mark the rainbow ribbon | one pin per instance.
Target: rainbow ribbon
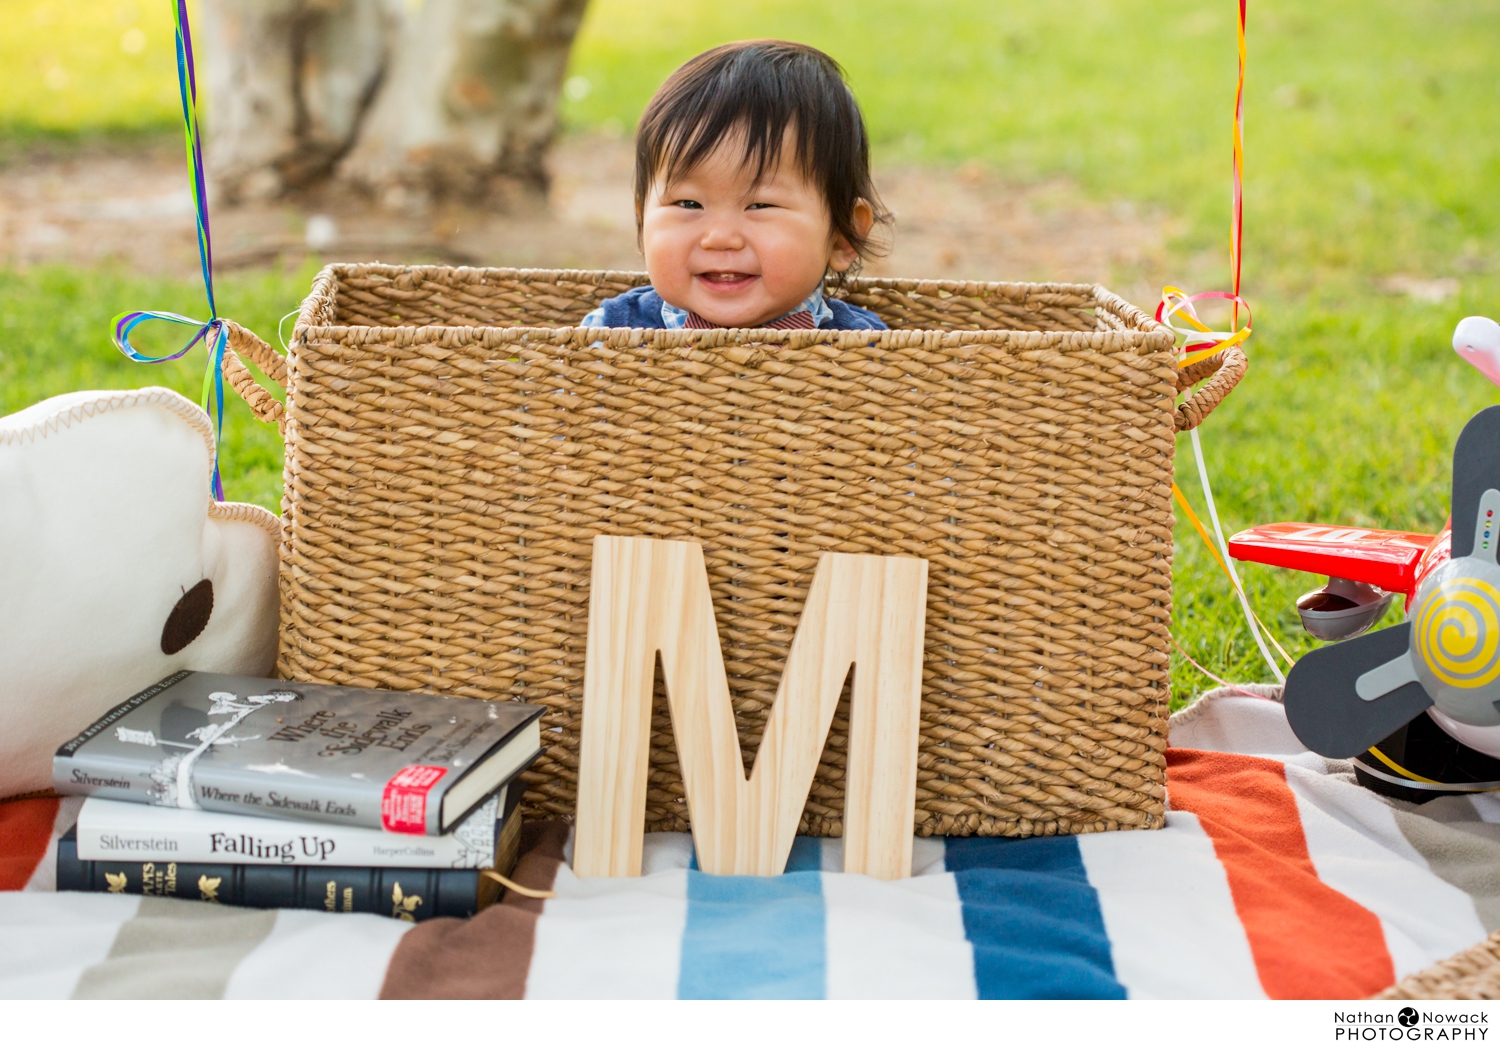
(211, 333)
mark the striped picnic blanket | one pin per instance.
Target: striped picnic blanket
(1275, 876)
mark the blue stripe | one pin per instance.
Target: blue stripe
(1032, 918)
(806, 855)
(754, 938)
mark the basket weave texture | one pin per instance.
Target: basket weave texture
(1473, 973)
(453, 447)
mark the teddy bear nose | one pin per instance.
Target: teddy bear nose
(188, 617)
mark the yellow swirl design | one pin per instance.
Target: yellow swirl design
(1458, 633)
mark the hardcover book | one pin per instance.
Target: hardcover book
(125, 831)
(412, 894)
(405, 762)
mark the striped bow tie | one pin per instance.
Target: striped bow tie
(800, 319)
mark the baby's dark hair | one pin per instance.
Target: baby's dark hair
(759, 88)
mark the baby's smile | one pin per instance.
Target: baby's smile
(728, 282)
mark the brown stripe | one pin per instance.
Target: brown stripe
(488, 956)
(1461, 849)
(176, 949)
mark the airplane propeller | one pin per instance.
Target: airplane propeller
(1345, 698)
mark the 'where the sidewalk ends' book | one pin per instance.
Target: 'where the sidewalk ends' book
(412, 894)
(406, 762)
(126, 831)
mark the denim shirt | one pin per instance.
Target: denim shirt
(643, 308)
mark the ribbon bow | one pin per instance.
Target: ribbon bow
(1177, 304)
(211, 333)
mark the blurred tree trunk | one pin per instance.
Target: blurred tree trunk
(289, 85)
(472, 94)
(409, 101)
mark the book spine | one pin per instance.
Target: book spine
(410, 894)
(112, 832)
(101, 775)
(290, 845)
(228, 789)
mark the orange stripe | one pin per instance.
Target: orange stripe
(1308, 940)
(25, 830)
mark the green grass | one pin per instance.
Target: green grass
(70, 67)
(1373, 148)
(1372, 126)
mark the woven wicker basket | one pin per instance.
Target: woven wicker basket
(1473, 973)
(452, 450)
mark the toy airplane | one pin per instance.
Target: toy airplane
(1414, 705)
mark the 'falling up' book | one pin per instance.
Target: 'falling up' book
(405, 762)
(412, 894)
(125, 831)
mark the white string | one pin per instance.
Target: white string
(1213, 515)
(280, 338)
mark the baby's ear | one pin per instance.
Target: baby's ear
(864, 217)
(843, 254)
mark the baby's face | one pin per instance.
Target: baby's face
(735, 253)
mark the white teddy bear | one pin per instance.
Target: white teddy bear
(116, 567)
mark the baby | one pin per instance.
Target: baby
(752, 185)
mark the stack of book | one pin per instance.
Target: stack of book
(276, 794)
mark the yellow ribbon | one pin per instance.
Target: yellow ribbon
(1203, 533)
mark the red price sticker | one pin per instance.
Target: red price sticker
(403, 806)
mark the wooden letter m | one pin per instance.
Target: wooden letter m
(650, 597)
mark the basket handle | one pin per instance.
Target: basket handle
(243, 341)
(1227, 368)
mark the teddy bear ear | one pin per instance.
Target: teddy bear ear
(188, 617)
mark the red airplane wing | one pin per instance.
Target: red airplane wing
(1375, 556)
